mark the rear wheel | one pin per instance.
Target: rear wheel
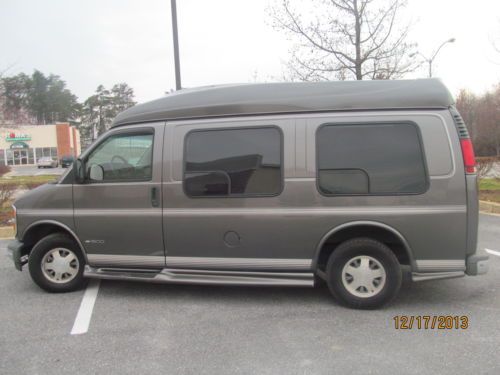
(363, 273)
(56, 264)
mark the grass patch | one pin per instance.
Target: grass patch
(28, 181)
(489, 184)
(489, 189)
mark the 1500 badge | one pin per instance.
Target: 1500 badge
(95, 242)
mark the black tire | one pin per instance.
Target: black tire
(45, 245)
(344, 253)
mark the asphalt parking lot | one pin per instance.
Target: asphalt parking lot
(173, 329)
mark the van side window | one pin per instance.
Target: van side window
(233, 162)
(370, 159)
(123, 157)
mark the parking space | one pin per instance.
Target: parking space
(145, 328)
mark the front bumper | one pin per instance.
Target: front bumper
(476, 265)
(15, 252)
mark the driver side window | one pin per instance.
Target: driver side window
(122, 158)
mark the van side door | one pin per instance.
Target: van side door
(117, 209)
(227, 205)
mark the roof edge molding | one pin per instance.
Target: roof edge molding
(290, 97)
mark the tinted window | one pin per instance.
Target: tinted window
(233, 162)
(370, 159)
(124, 157)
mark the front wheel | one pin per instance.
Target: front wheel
(363, 273)
(56, 264)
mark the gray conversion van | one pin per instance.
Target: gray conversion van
(355, 183)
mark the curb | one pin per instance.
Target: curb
(489, 207)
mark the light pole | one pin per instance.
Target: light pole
(431, 60)
(178, 85)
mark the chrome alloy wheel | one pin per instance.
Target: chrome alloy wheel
(60, 265)
(363, 276)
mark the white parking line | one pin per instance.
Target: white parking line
(82, 320)
(493, 252)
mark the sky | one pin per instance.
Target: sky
(93, 42)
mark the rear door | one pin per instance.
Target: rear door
(118, 215)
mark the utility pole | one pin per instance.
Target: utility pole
(178, 85)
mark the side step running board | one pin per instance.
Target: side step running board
(424, 276)
(186, 276)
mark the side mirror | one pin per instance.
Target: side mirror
(96, 172)
(79, 170)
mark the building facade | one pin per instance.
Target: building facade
(24, 145)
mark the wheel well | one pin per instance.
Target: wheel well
(386, 236)
(36, 233)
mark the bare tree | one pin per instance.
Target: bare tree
(481, 114)
(346, 39)
(488, 123)
(467, 104)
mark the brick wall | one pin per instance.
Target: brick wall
(63, 140)
(75, 143)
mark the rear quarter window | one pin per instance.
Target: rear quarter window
(371, 159)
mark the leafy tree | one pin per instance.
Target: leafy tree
(49, 100)
(13, 101)
(37, 99)
(41, 99)
(16, 90)
(123, 97)
(346, 39)
(100, 109)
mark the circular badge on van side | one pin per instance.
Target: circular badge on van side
(232, 239)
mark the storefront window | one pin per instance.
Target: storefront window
(46, 151)
(26, 155)
(31, 159)
(10, 159)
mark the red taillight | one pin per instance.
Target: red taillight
(468, 155)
